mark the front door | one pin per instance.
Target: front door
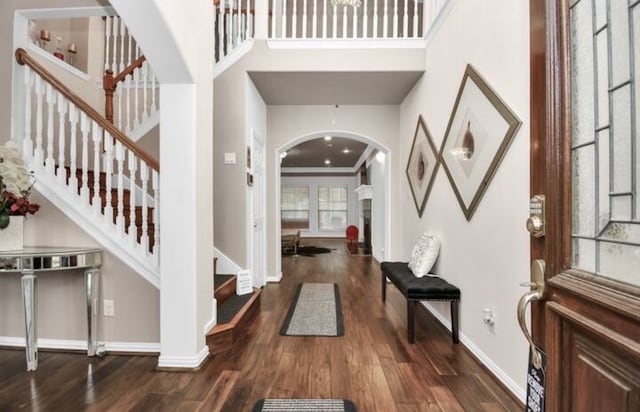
(585, 160)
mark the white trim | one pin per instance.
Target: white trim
(275, 279)
(346, 43)
(188, 362)
(81, 345)
(67, 12)
(509, 383)
(438, 21)
(363, 158)
(350, 170)
(225, 264)
(144, 127)
(214, 318)
(59, 63)
(235, 55)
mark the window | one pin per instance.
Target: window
(332, 208)
(294, 207)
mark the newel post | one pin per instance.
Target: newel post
(109, 86)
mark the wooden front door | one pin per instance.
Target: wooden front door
(585, 160)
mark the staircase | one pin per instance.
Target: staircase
(235, 313)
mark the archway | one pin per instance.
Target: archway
(387, 158)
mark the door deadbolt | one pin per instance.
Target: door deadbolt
(536, 221)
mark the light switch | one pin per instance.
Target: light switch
(230, 158)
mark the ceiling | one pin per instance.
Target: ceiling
(342, 152)
(324, 88)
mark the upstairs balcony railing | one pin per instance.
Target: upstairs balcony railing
(327, 19)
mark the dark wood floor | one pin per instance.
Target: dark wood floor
(372, 364)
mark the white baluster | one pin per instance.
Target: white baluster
(122, 56)
(119, 104)
(62, 111)
(154, 101)
(248, 21)
(73, 120)
(344, 22)
(294, 19)
(284, 19)
(127, 110)
(365, 19)
(273, 19)
(27, 141)
(107, 42)
(395, 19)
(221, 30)
(145, 84)
(314, 20)
(375, 19)
(335, 22)
(355, 23)
(129, 48)
(385, 20)
(415, 18)
(50, 162)
(96, 135)
(324, 19)
(405, 20)
(120, 188)
(155, 182)
(136, 99)
(84, 184)
(38, 153)
(144, 178)
(304, 18)
(133, 166)
(108, 170)
(238, 33)
(229, 21)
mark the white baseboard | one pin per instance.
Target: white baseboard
(509, 383)
(184, 362)
(214, 318)
(274, 279)
(81, 345)
(225, 264)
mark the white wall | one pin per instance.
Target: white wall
(313, 182)
(489, 256)
(376, 172)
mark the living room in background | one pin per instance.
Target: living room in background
(294, 207)
(332, 208)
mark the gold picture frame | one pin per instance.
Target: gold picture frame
(479, 132)
(422, 165)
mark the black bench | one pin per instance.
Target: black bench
(418, 289)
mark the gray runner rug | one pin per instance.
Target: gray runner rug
(315, 311)
(315, 405)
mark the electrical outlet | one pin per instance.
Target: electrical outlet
(109, 308)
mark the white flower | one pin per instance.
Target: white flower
(14, 175)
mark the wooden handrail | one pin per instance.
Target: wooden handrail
(22, 57)
(110, 83)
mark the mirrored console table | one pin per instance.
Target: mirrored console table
(33, 261)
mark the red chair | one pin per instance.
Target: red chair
(352, 234)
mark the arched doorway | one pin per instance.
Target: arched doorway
(384, 156)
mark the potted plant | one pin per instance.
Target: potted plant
(15, 188)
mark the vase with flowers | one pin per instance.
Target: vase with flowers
(15, 188)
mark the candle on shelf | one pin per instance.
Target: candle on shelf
(72, 48)
(58, 52)
(44, 35)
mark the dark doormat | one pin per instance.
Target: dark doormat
(309, 251)
(315, 405)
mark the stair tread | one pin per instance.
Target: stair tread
(249, 301)
(220, 280)
(232, 306)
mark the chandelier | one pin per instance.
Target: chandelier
(352, 3)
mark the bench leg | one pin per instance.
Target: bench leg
(384, 288)
(454, 321)
(411, 307)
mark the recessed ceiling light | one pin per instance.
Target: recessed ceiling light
(346, 150)
(327, 138)
(330, 145)
(283, 155)
(380, 157)
(327, 162)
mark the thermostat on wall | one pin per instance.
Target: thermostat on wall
(230, 158)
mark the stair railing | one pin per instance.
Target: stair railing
(234, 24)
(133, 90)
(93, 146)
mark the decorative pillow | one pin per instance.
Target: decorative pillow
(424, 255)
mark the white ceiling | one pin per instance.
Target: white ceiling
(324, 88)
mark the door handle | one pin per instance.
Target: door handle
(537, 292)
